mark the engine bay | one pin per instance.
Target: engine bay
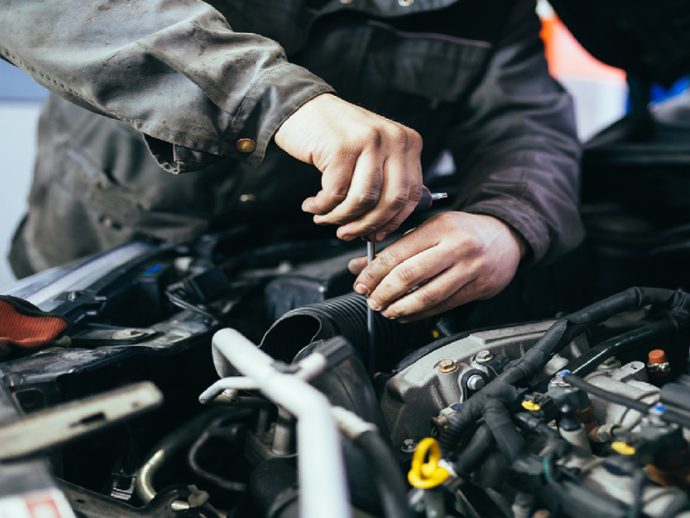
(197, 382)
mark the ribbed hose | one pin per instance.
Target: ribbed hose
(345, 316)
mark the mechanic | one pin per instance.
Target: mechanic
(240, 95)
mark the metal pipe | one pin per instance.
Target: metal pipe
(233, 383)
(321, 470)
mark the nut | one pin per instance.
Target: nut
(475, 382)
(484, 356)
(408, 446)
(446, 366)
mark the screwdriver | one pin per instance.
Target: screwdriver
(425, 203)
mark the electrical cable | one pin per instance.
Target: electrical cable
(172, 443)
(558, 336)
(590, 360)
(177, 300)
(639, 481)
(192, 459)
(479, 446)
(606, 395)
(388, 477)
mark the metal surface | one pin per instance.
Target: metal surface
(47, 428)
(416, 394)
(626, 380)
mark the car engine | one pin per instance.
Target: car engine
(195, 381)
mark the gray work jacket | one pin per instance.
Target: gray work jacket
(194, 78)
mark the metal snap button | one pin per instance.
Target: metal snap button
(245, 145)
(405, 3)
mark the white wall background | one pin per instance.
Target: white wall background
(18, 120)
(20, 101)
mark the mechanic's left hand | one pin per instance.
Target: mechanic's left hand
(451, 259)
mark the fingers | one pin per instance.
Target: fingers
(363, 194)
(407, 276)
(357, 265)
(396, 254)
(467, 293)
(371, 171)
(402, 190)
(452, 259)
(335, 186)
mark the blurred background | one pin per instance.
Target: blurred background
(600, 94)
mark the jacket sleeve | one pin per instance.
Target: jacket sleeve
(516, 148)
(172, 69)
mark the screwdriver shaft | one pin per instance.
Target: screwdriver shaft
(371, 253)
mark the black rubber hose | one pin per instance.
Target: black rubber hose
(639, 481)
(475, 452)
(601, 393)
(388, 476)
(560, 334)
(173, 442)
(531, 423)
(498, 420)
(341, 316)
(590, 360)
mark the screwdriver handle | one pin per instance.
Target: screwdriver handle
(428, 199)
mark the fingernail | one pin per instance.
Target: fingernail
(374, 305)
(389, 316)
(380, 236)
(361, 289)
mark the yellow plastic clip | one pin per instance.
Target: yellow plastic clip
(425, 472)
(530, 405)
(623, 448)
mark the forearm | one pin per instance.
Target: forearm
(172, 69)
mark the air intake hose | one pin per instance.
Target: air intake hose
(342, 316)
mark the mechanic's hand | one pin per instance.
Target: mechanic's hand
(451, 259)
(371, 170)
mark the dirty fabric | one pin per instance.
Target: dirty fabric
(174, 84)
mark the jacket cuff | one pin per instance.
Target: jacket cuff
(274, 97)
(523, 219)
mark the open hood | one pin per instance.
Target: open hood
(648, 39)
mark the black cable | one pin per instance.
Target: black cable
(178, 301)
(498, 420)
(388, 476)
(668, 415)
(601, 393)
(639, 481)
(479, 446)
(192, 459)
(590, 360)
(559, 335)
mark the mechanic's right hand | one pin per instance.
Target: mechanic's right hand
(371, 171)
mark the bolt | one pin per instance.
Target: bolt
(475, 382)
(408, 446)
(446, 366)
(484, 356)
